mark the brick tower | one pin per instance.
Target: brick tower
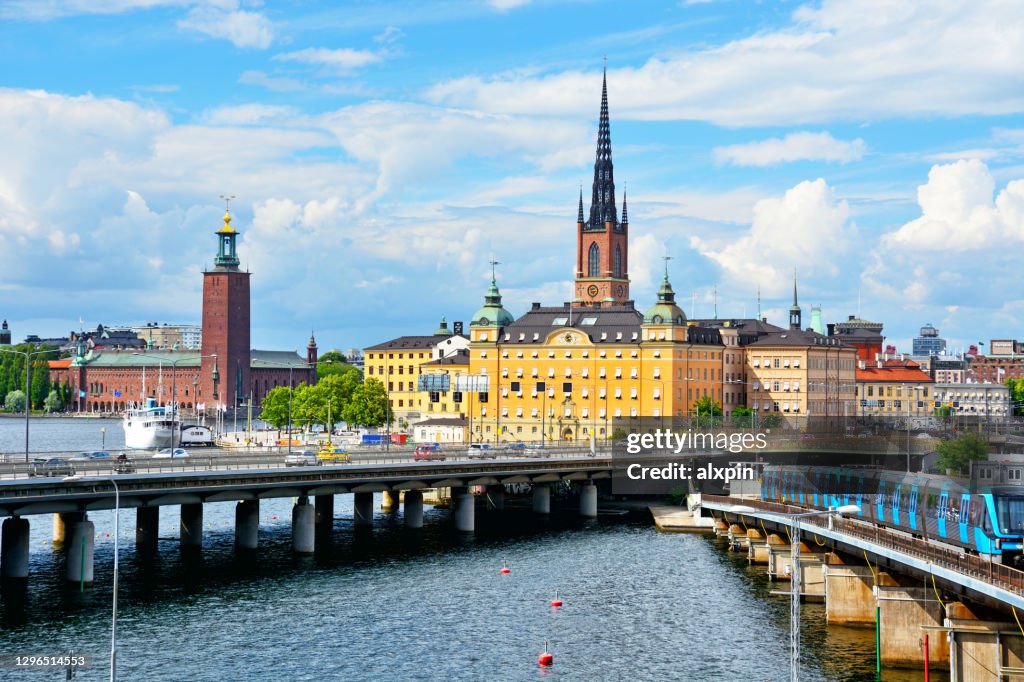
(602, 272)
(225, 379)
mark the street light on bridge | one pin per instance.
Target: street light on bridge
(28, 384)
(794, 614)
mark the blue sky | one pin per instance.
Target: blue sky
(383, 152)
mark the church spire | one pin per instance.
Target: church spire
(579, 216)
(795, 316)
(602, 199)
(625, 212)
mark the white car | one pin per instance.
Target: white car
(302, 458)
(167, 453)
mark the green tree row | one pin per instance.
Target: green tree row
(12, 377)
(336, 397)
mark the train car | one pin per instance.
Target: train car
(987, 522)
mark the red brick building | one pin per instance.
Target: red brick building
(108, 380)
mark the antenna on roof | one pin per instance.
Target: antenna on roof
(227, 201)
(716, 301)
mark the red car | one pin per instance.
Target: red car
(425, 453)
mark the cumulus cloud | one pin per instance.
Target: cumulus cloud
(801, 146)
(806, 229)
(777, 77)
(958, 211)
(224, 20)
(342, 59)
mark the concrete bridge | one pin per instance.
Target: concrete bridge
(907, 587)
(248, 479)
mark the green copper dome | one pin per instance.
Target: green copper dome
(665, 311)
(492, 314)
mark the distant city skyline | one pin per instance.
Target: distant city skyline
(383, 154)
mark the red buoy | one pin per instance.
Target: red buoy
(504, 568)
(545, 659)
(273, 518)
(556, 602)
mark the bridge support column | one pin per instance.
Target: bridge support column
(81, 543)
(324, 514)
(390, 501)
(363, 509)
(463, 510)
(976, 647)
(192, 525)
(147, 527)
(542, 498)
(247, 524)
(496, 497)
(902, 612)
(303, 526)
(14, 549)
(588, 500)
(413, 509)
(849, 595)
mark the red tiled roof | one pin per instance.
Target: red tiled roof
(903, 375)
(59, 364)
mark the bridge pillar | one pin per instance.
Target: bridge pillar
(363, 509)
(588, 500)
(496, 497)
(61, 522)
(247, 524)
(147, 526)
(849, 595)
(80, 551)
(192, 525)
(390, 501)
(542, 498)
(413, 508)
(14, 549)
(463, 510)
(324, 514)
(979, 648)
(303, 526)
(902, 612)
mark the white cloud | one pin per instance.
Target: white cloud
(274, 83)
(35, 10)
(980, 154)
(250, 114)
(806, 229)
(344, 58)
(223, 20)
(823, 66)
(506, 5)
(958, 212)
(801, 146)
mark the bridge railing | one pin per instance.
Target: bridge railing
(971, 565)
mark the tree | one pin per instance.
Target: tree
(1016, 387)
(770, 421)
(743, 416)
(52, 402)
(275, 407)
(958, 453)
(368, 406)
(40, 381)
(708, 411)
(309, 405)
(15, 401)
(334, 363)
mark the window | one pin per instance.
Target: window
(567, 387)
(618, 261)
(634, 373)
(602, 392)
(601, 373)
(775, 364)
(584, 392)
(594, 261)
(456, 396)
(551, 372)
(618, 372)
(585, 372)
(657, 372)
(632, 393)
(618, 393)
(559, 321)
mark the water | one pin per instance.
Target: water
(60, 434)
(431, 604)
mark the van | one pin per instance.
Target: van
(481, 451)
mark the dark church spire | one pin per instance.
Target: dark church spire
(602, 200)
(795, 316)
(625, 212)
(579, 217)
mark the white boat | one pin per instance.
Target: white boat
(150, 426)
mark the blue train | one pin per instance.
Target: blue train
(988, 522)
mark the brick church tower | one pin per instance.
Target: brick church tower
(602, 272)
(225, 379)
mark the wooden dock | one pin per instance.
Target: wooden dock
(670, 519)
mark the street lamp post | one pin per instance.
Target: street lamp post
(113, 615)
(794, 614)
(28, 384)
(103, 437)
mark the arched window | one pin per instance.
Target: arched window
(594, 268)
(618, 261)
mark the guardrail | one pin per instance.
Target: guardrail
(1006, 577)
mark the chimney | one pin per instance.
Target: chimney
(535, 306)
(831, 329)
(861, 364)
(852, 318)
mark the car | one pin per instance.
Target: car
(52, 466)
(167, 453)
(481, 451)
(334, 453)
(90, 456)
(425, 453)
(302, 458)
(515, 446)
